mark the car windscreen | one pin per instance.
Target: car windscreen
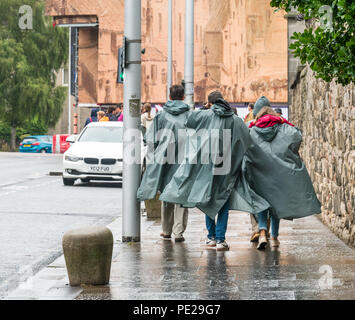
(46, 139)
(29, 140)
(102, 134)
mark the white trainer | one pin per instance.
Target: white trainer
(222, 246)
(210, 242)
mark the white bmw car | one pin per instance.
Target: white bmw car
(96, 154)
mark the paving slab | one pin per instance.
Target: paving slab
(311, 263)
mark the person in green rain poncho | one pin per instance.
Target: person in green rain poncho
(274, 170)
(217, 142)
(163, 142)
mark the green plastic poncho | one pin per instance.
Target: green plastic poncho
(217, 142)
(160, 138)
(274, 170)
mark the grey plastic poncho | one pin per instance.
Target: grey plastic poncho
(274, 170)
(160, 138)
(217, 142)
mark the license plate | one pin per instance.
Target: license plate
(26, 145)
(100, 169)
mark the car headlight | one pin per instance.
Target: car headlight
(72, 158)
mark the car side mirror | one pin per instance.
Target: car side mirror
(71, 139)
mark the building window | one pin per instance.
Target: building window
(180, 27)
(160, 23)
(240, 67)
(65, 77)
(164, 79)
(153, 73)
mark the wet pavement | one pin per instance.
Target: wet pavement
(311, 263)
(37, 209)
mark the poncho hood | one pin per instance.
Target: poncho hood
(268, 126)
(176, 107)
(260, 103)
(267, 134)
(222, 108)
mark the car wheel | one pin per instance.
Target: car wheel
(43, 151)
(68, 182)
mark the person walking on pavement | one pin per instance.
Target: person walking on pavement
(101, 116)
(93, 116)
(276, 142)
(208, 186)
(248, 119)
(120, 116)
(250, 116)
(164, 149)
(147, 118)
(118, 111)
(279, 112)
(216, 236)
(111, 113)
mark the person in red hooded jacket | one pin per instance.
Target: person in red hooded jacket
(267, 117)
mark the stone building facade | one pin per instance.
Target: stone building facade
(325, 112)
(240, 48)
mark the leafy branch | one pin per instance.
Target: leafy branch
(328, 44)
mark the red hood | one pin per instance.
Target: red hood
(269, 121)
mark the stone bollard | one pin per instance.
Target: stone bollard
(88, 254)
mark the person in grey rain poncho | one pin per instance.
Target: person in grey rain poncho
(273, 170)
(266, 175)
(163, 140)
(217, 142)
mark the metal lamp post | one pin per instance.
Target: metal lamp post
(170, 47)
(189, 53)
(131, 122)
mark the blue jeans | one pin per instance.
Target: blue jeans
(218, 231)
(275, 223)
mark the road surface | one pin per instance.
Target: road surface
(37, 209)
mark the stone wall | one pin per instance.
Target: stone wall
(325, 112)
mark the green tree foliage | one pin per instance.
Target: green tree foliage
(33, 127)
(29, 60)
(328, 46)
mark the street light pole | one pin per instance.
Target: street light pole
(131, 122)
(189, 53)
(170, 48)
(69, 84)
